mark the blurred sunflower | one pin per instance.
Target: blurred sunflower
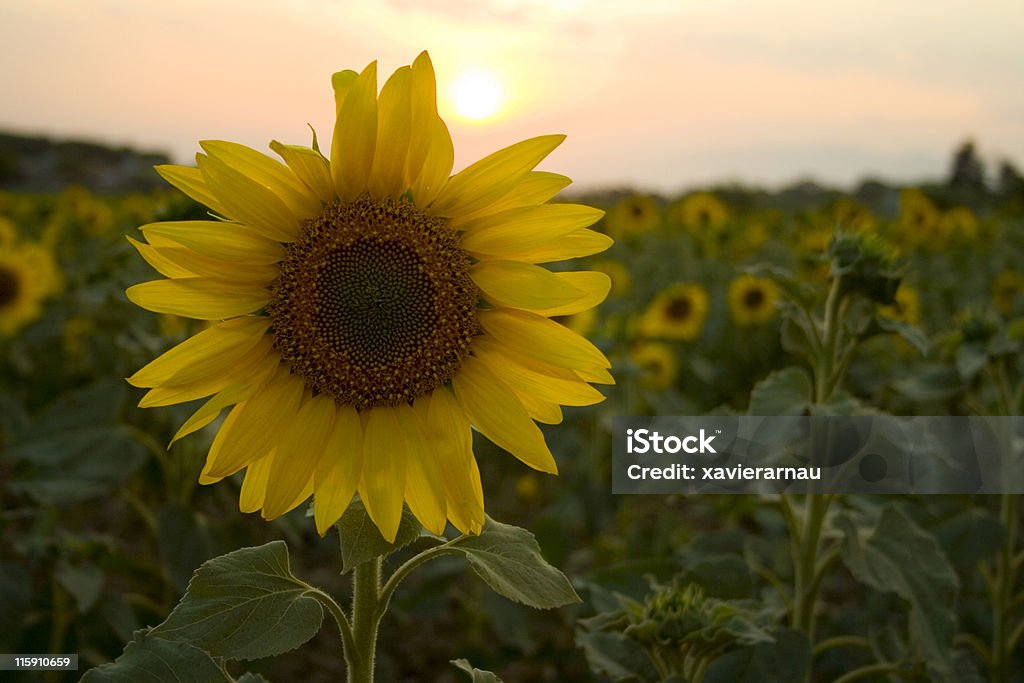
(28, 274)
(676, 313)
(906, 308)
(918, 221)
(752, 300)
(701, 213)
(959, 223)
(846, 214)
(374, 310)
(582, 323)
(657, 362)
(633, 215)
(1006, 288)
(619, 274)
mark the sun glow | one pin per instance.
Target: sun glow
(477, 94)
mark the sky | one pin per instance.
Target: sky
(659, 95)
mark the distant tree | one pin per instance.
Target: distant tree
(967, 171)
(1010, 181)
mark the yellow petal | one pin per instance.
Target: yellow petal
(256, 430)
(447, 431)
(190, 181)
(310, 167)
(423, 110)
(543, 339)
(160, 262)
(536, 188)
(496, 412)
(526, 228)
(526, 381)
(211, 384)
(234, 393)
(254, 486)
(341, 81)
(298, 452)
(267, 172)
(384, 463)
(595, 284)
(437, 167)
(574, 245)
(521, 285)
(208, 352)
(217, 239)
(199, 298)
(339, 470)
(176, 261)
(424, 488)
(394, 125)
(486, 181)
(248, 201)
(355, 136)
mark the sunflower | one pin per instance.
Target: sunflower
(752, 300)
(676, 313)
(28, 275)
(658, 364)
(633, 215)
(622, 281)
(701, 214)
(906, 308)
(373, 310)
(919, 221)
(959, 223)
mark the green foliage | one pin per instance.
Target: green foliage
(361, 541)
(476, 675)
(245, 605)
(897, 556)
(508, 559)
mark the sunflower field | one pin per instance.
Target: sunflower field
(161, 558)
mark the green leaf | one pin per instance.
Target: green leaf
(84, 582)
(912, 335)
(783, 392)
(361, 541)
(786, 660)
(156, 660)
(970, 359)
(897, 556)
(930, 383)
(617, 657)
(245, 605)
(478, 675)
(64, 467)
(249, 677)
(508, 559)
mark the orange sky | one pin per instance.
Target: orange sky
(659, 94)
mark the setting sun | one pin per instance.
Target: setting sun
(477, 94)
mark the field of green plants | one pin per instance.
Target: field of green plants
(906, 301)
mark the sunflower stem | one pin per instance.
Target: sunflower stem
(365, 621)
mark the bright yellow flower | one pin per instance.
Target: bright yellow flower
(658, 363)
(752, 300)
(375, 309)
(633, 215)
(676, 313)
(906, 308)
(28, 274)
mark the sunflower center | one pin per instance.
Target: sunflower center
(679, 308)
(10, 286)
(753, 298)
(374, 305)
